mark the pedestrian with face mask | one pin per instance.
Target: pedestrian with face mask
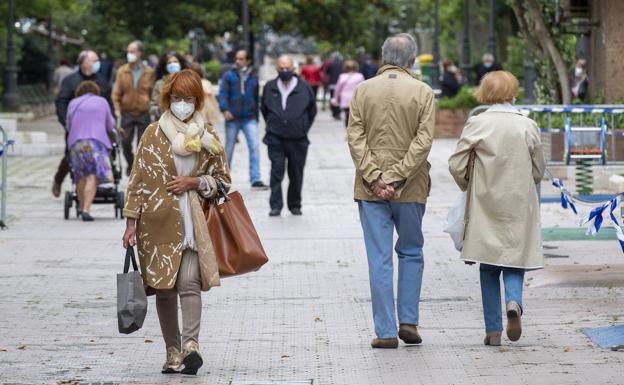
(131, 98)
(168, 63)
(579, 80)
(180, 161)
(288, 107)
(488, 64)
(88, 69)
(450, 84)
(239, 100)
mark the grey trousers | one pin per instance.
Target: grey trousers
(188, 287)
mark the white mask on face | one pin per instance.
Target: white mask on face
(452, 69)
(578, 72)
(131, 57)
(182, 110)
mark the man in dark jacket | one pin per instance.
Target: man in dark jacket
(288, 108)
(488, 64)
(333, 71)
(89, 66)
(239, 100)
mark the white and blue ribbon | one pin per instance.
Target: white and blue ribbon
(566, 197)
(7, 144)
(594, 219)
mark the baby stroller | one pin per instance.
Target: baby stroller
(107, 193)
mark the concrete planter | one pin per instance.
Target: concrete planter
(449, 123)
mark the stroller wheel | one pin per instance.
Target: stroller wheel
(119, 205)
(68, 204)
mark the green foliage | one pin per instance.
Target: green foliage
(464, 100)
(212, 70)
(516, 56)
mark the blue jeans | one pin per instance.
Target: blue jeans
(378, 222)
(250, 129)
(491, 295)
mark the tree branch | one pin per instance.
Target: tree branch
(518, 10)
(555, 56)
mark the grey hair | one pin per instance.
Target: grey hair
(399, 50)
(82, 56)
(138, 43)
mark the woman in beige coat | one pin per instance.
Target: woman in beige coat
(502, 221)
(179, 164)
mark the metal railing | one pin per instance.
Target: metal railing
(4, 144)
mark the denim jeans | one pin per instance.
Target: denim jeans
(250, 130)
(378, 222)
(491, 295)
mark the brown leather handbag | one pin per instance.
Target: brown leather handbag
(234, 237)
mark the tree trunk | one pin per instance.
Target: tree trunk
(549, 46)
(534, 47)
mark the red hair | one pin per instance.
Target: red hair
(185, 83)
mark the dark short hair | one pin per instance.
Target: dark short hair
(87, 87)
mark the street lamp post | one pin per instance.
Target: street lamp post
(491, 30)
(245, 22)
(10, 98)
(466, 68)
(435, 71)
(51, 61)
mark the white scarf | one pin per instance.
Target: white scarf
(187, 138)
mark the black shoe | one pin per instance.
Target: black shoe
(86, 217)
(275, 213)
(259, 185)
(296, 211)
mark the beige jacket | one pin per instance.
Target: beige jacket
(126, 97)
(503, 210)
(159, 228)
(210, 109)
(390, 133)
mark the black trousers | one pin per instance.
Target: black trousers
(64, 167)
(287, 155)
(334, 109)
(132, 123)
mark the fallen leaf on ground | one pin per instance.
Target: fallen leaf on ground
(285, 356)
(148, 341)
(568, 349)
(317, 319)
(21, 347)
(3, 350)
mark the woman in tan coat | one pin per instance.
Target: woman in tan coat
(502, 230)
(179, 164)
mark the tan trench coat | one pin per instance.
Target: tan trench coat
(503, 210)
(159, 227)
(390, 132)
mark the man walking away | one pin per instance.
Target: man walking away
(390, 132)
(288, 108)
(131, 98)
(88, 67)
(239, 101)
(333, 73)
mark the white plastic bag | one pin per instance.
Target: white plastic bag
(455, 221)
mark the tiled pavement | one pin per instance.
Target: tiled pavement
(305, 316)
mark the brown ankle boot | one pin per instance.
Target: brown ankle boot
(514, 324)
(409, 334)
(385, 343)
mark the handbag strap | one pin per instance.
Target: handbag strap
(221, 189)
(469, 175)
(130, 257)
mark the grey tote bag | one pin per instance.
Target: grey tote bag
(131, 298)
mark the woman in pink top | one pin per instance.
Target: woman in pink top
(347, 83)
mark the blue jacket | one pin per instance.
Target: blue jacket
(241, 105)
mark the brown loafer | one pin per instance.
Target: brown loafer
(514, 324)
(409, 334)
(493, 339)
(385, 343)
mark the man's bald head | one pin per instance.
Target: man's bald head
(285, 63)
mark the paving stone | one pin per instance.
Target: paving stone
(305, 315)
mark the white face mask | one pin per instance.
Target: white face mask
(578, 72)
(182, 110)
(131, 57)
(452, 69)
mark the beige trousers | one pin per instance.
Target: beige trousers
(188, 287)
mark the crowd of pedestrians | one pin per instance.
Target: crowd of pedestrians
(171, 110)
